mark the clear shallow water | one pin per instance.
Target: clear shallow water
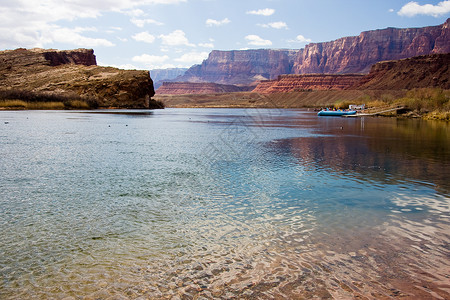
(222, 203)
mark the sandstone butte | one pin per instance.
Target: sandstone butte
(347, 55)
(74, 72)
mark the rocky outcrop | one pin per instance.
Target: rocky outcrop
(417, 72)
(242, 67)
(356, 54)
(47, 57)
(180, 88)
(74, 72)
(299, 83)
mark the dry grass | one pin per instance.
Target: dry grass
(45, 105)
(23, 99)
(11, 104)
(20, 104)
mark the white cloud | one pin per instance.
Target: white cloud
(142, 22)
(191, 58)
(257, 41)
(391, 10)
(151, 61)
(412, 9)
(262, 12)
(300, 39)
(206, 45)
(115, 28)
(175, 38)
(212, 22)
(26, 23)
(135, 12)
(275, 25)
(72, 36)
(144, 37)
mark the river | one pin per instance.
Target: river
(222, 203)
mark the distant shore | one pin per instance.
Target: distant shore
(428, 103)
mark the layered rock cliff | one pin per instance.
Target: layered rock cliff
(298, 83)
(348, 55)
(74, 72)
(180, 88)
(241, 66)
(416, 72)
(356, 54)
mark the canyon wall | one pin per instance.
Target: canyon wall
(299, 83)
(180, 88)
(242, 67)
(416, 72)
(356, 54)
(75, 72)
(348, 55)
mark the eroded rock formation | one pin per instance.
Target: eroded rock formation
(298, 83)
(356, 54)
(416, 72)
(74, 72)
(348, 55)
(180, 88)
(241, 66)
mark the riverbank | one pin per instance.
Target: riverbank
(419, 103)
(17, 99)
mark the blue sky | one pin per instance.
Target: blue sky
(149, 34)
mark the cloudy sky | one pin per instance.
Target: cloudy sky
(149, 34)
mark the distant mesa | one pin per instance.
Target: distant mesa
(73, 73)
(241, 67)
(347, 55)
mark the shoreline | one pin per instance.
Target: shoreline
(428, 103)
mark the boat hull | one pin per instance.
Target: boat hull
(336, 113)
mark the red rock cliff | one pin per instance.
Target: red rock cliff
(348, 55)
(356, 54)
(292, 83)
(416, 72)
(37, 56)
(79, 57)
(180, 88)
(241, 66)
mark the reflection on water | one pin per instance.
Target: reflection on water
(221, 203)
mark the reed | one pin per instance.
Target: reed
(23, 99)
(45, 105)
(13, 104)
